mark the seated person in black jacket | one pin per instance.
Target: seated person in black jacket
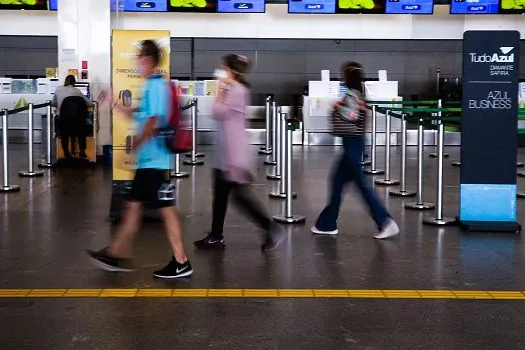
(72, 108)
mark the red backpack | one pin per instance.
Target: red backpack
(178, 133)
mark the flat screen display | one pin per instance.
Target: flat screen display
(139, 6)
(423, 7)
(360, 6)
(474, 7)
(206, 6)
(53, 5)
(512, 6)
(234, 6)
(311, 6)
(23, 4)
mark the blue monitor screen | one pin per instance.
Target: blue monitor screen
(311, 6)
(467, 7)
(53, 5)
(140, 6)
(234, 6)
(425, 7)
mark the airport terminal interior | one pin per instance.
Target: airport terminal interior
(444, 130)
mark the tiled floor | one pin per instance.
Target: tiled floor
(45, 227)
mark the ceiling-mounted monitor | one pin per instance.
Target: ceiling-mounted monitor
(139, 6)
(205, 6)
(512, 6)
(23, 5)
(421, 7)
(237, 6)
(311, 6)
(361, 6)
(474, 7)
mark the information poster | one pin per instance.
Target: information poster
(489, 130)
(127, 85)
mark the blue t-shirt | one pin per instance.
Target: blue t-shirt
(153, 154)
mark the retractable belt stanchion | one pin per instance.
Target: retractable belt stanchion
(6, 187)
(402, 191)
(267, 149)
(289, 217)
(435, 154)
(176, 173)
(373, 148)
(47, 162)
(194, 124)
(281, 192)
(31, 166)
(419, 204)
(387, 181)
(275, 134)
(439, 220)
(277, 148)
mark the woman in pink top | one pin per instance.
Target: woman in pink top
(233, 162)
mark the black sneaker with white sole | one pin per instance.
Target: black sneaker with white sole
(210, 242)
(105, 261)
(174, 269)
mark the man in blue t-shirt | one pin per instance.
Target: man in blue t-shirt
(151, 184)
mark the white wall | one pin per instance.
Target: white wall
(277, 23)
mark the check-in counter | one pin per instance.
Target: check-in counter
(317, 123)
(207, 126)
(18, 123)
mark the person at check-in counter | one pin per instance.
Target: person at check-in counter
(348, 122)
(71, 126)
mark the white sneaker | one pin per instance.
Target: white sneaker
(316, 231)
(390, 230)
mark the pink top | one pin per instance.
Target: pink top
(233, 154)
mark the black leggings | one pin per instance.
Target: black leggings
(244, 199)
(69, 130)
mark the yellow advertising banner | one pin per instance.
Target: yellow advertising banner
(127, 86)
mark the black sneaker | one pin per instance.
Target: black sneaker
(174, 270)
(107, 262)
(274, 238)
(210, 242)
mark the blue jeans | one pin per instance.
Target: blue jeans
(347, 170)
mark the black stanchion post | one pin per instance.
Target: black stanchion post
(31, 167)
(419, 204)
(275, 135)
(289, 217)
(176, 173)
(373, 148)
(402, 191)
(267, 149)
(194, 123)
(439, 219)
(277, 148)
(47, 162)
(281, 192)
(6, 187)
(387, 181)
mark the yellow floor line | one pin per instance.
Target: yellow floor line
(263, 293)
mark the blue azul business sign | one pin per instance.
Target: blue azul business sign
(489, 130)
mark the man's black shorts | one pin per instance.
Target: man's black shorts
(152, 188)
